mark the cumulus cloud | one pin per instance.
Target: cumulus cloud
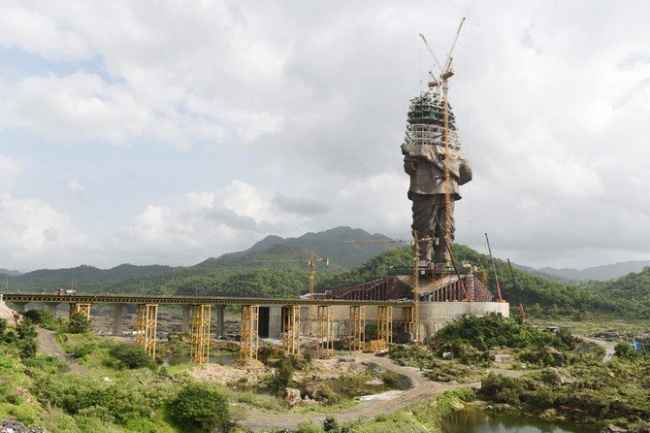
(302, 108)
(9, 169)
(35, 233)
(75, 190)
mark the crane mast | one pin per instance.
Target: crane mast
(447, 73)
(442, 83)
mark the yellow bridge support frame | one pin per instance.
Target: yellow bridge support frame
(200, 333)
(385, 324)
(291, 329)
(409, 318)
(357, 327)
(81, 308)
(325, 330)
(248, 329)
(145, 334)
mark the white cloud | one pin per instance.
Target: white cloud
(9, 169)
(75, 190)
(35, 233)
(300, 108)
(34, 30)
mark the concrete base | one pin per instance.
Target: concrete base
(433, 316)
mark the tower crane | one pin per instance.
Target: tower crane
(446, 72)
(311, 262)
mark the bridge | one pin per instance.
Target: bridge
(255, 311)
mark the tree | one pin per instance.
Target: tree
(202, 408)
(624, 350)
(283, 374)
(131, 356)
(27, 335)
(26, 330)
(78, 324)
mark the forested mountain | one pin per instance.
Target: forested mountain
(10, 273)
(263, 270)
(540, 296)
(202, 277)
(601, 273)
(332, 244)
(51, 279)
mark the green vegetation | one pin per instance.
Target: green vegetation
(202, 408)
(124, 391)
(130, 356)
(245, 274)
(42, 390)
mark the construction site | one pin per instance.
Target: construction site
(413, 304)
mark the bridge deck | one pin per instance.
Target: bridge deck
(187, 300)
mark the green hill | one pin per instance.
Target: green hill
(246, 273)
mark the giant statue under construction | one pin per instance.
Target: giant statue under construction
(437, 166)
(440, 288)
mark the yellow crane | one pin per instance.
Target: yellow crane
(446, 72)
(311, 262)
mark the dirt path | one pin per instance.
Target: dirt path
(421, 388)
(608, 345)
(48, 346)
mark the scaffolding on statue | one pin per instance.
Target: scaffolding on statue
(248, 329)
(291, 329)
(325, 330)
(80, 308)
(200, 334)
(145, 334)
(357, 327)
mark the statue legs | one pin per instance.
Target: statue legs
(429, 222)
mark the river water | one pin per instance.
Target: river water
(477, 421)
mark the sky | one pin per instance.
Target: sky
(167, 132)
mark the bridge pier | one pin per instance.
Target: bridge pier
(52, 307)
(118, 314)
(19, 307)
(219, 319)
(80, 308)
(248, 330)
(145, 334)
(325, 330)
(357, 327)
(200, 334)
(291, 329)
(185, 321)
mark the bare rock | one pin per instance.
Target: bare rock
(292, 396)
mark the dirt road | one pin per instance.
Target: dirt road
(420, 389)
(48, 346)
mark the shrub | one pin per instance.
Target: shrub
(308, 427)
(131, 356)
(202, 408)
(624, 350)
(48, 364)
(28, 349)
(283, 375)
(26, 330)
(41, 317)
(330, 425)
(78, 324)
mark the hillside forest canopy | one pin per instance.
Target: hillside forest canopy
(249, 275)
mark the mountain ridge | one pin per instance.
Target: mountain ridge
(330, 243)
